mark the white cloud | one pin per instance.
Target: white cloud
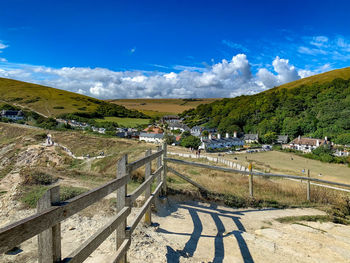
(3, 60)
(227, 78)
(233, 45)
(3, 46)
(133, 50)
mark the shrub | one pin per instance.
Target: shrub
(37, 177)
(68, 192)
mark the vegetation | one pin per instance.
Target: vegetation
(315, 109)
(52, 102)
(190, 142)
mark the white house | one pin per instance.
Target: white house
(151, 137)
(197, 130)
(307, 144)
(178, 126)
(251, 138)
(216, 143)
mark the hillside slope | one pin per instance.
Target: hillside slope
(317, 106)
(52, 102)
(343, 73)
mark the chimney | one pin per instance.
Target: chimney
(201, 138)
(318, 143)
(227, 135)
(219, 136)
(326, 139)
(299, 137)
(209, 136)
(235, 134)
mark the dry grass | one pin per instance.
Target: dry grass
(289, 163)
(234, 189)
(161, 107)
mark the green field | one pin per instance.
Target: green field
(126, 122)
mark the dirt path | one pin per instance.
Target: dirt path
(202, 232)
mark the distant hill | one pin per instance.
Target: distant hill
(53, 102)
(317, 106)
(161, 107)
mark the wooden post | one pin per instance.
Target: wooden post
(308, 186)
(250, 167)
(164, 168)
(121, 193)
(158, 180)
(148, 190)
(49, 241)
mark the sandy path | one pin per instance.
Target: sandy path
(202, 232)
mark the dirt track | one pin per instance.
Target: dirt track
(201, 232)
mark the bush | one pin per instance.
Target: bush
(31, 196)
(68, 192)
(36, 177)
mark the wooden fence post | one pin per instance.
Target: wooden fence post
(158, 180)
(164, 168)
(49, 241)
(250, 167)
(308, 186)
(148, 190)
(121, 193)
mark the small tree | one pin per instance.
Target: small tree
(205, 133)
(191, 142)
(269, 137)
(169, 139)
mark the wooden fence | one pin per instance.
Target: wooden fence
(51, 212)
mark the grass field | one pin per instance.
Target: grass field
(126, 122)
(161, 107)
(289, 163)
(343, 73)
(45, 100)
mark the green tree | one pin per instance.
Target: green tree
(191, 142)
(269, 137)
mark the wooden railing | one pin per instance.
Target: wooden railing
(51, 212)
(251, 174)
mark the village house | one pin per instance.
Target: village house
(151, 137)
(12, 114)
(219, 143)
(178, 126)
(171, 119)
(197, 130)
(251, 138)
(342, 153)
(306, 145)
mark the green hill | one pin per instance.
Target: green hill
(317, 106)
(343, 73)
(52, 102)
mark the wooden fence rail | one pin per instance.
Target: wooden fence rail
(51, 212)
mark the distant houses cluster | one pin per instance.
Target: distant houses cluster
(14, 115)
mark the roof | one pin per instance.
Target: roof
(251, 136)
(151, 135)
(12, 113)
(171, 117)
(223, 140)
(153, 130)
(308, 141)
(179, 125)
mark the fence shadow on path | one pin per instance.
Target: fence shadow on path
(189, 249)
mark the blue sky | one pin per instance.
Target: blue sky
(132, 49)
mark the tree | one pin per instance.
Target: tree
(191, 142)
(205, 133)
(169, 139)
(269, 137)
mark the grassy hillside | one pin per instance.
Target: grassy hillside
(161, 107)
(317, 106)
(343, 73)
(45, 100)
(52, 102)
